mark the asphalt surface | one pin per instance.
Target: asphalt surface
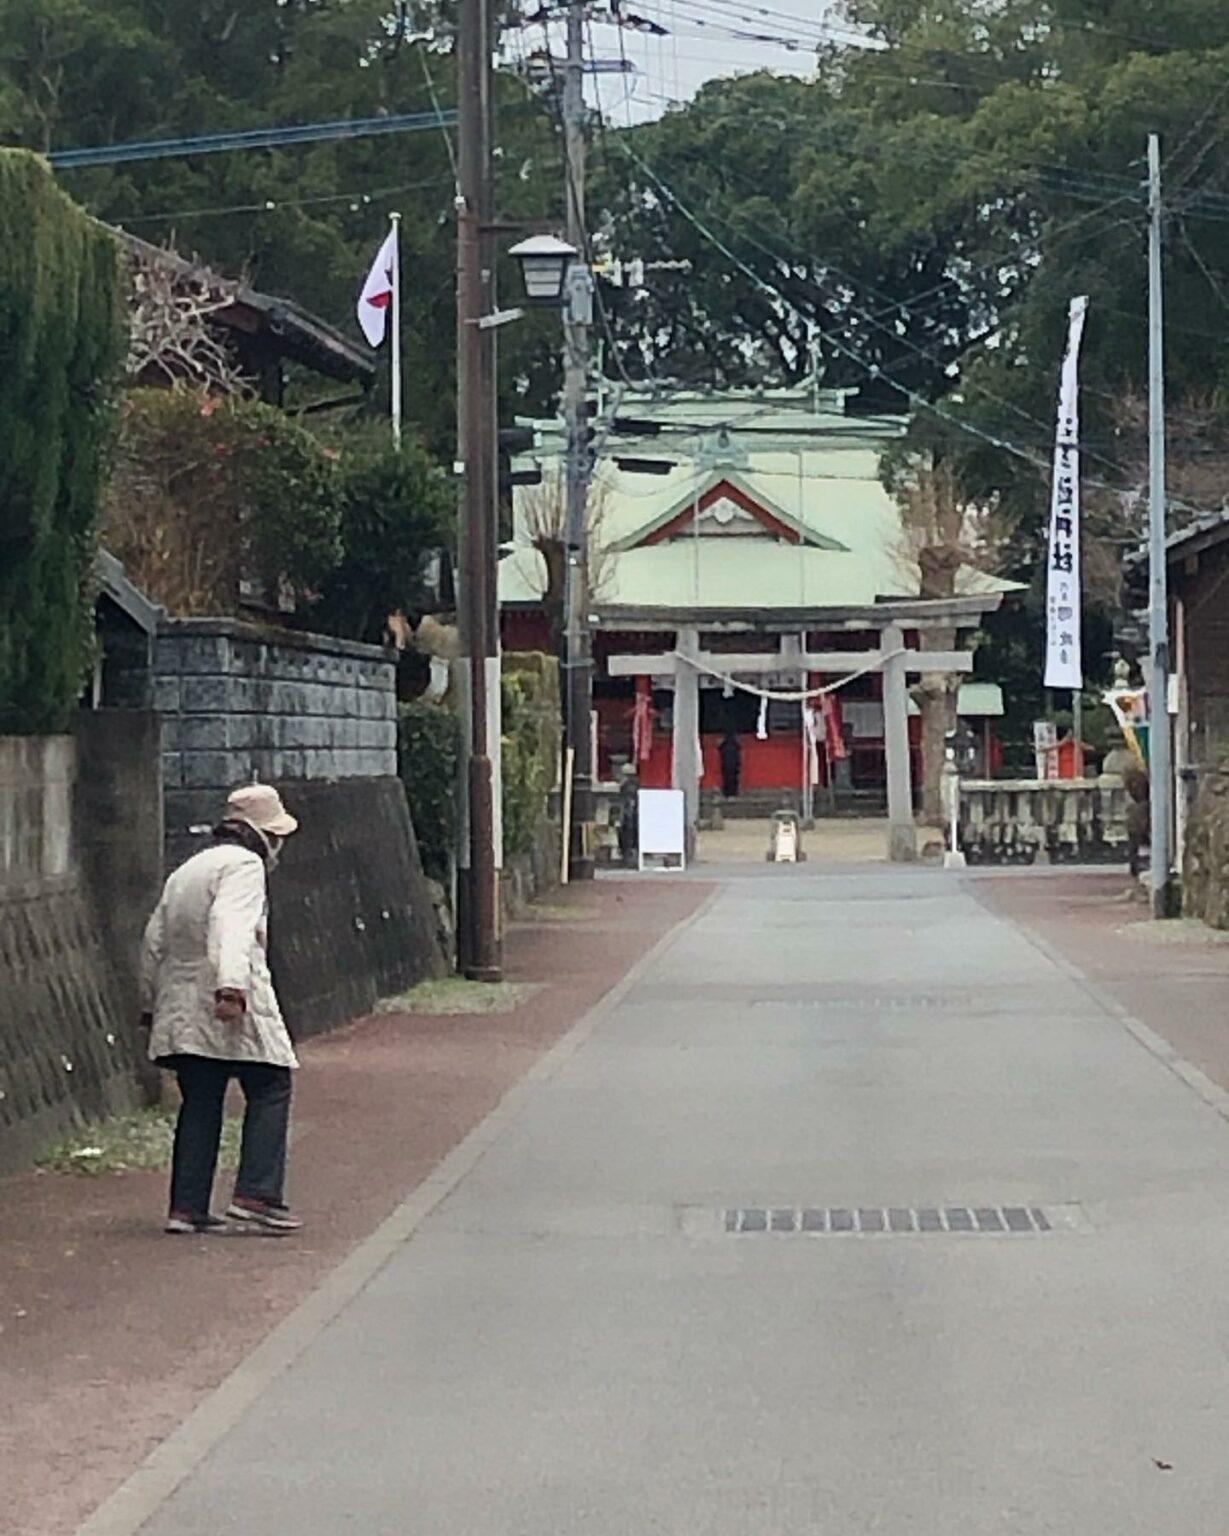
(570, 1339)
(112, 1334)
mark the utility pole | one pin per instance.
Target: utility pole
(1160, 776)
(577, 318)
(478, 892)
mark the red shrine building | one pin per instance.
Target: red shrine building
(757, 523)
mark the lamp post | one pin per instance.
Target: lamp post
(556, 276)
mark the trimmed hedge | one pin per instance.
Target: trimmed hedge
(63, 340)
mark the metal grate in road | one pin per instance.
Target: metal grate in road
(886, 1220)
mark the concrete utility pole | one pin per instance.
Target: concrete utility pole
(577, 318)
(478, 936)
(1160, 774)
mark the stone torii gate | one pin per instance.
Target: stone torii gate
(891, 658)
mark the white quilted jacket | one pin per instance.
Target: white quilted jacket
(209, 931)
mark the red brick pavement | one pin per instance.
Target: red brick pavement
(1173, 977)
(111, 1333)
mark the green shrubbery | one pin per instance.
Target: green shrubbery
(530, 744)
(62, 340)
(210, 491)
(430, 757)
(397, 510)
(430, 761)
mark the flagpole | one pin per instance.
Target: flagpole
(395, 220)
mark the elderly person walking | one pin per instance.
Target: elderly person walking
(212, 1014)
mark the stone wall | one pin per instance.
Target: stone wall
(351, 917)
(1205, 874)
(67, 1042)
(117, 813)
(528, 876)
(240, 703)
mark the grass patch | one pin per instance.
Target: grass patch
(458, 995)
(557, 913)
(1179, 931)
(140, 1141)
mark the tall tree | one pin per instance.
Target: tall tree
(303, 222)
(920, 215)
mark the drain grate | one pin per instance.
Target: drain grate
(887, 1220)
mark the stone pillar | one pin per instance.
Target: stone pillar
(685, 764)
(902, 837)
(792, 649)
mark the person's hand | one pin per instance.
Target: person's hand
(229, 1005)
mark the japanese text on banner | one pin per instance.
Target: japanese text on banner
(1064, 662)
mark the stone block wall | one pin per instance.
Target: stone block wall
(1205, 873)
(118, 821)
(67, 1046)
(240, 703)
(351, 915)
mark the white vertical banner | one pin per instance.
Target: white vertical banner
(1064, 662)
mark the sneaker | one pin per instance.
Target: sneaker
(273, 1217)
(178, 1225)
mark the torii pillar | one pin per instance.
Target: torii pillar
(902, 833)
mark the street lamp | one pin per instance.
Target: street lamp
(544, 260)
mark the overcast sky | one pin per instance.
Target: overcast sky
(704, 39)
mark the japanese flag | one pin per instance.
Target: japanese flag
(376, 299)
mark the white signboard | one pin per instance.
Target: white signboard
(662, 825)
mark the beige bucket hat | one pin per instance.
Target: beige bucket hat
(261, 807)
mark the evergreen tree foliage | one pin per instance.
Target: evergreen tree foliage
(396, 512)
(62, 341)
(302, 222)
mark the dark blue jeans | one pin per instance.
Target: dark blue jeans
(198, 1131)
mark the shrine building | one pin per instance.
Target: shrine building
(752, 532)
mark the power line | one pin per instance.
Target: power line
(1054, 24)
(928, 298)
(925, 352)
(251, 138)
(1051, 234)
(820, 30)
(917, 400)
(435, 104)
(273, 205)
(778, 297)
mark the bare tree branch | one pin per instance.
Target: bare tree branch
(544, 520)
(172, 340)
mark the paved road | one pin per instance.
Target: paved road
(571, 1342)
